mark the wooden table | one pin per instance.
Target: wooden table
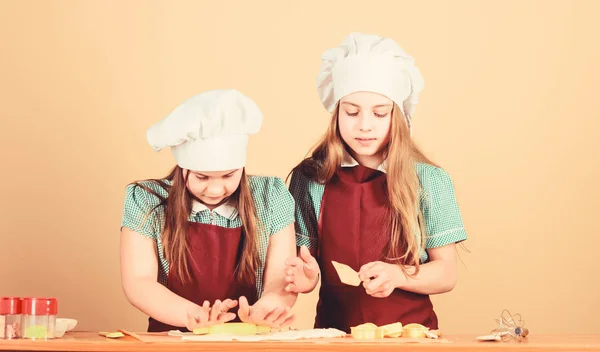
(91, 341)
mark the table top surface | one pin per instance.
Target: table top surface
(92, 341)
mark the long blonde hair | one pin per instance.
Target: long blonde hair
(403, 186)
(177, 207)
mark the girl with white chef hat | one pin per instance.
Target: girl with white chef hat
(208, 240)
(369, 198)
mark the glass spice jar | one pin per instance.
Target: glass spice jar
(39, 318)
(10, 318)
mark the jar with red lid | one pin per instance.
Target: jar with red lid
(39, 318)
(10, 318)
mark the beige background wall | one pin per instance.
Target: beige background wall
(510, 109)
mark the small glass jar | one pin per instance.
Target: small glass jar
(10, 318)
(39, 318)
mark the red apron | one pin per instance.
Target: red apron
(213, 258)
(353, 231)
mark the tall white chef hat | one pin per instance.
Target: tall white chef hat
(366, 62)
(209, 131)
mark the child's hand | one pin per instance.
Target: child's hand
(206, 315)
(302, 273)
(380, 279)
(267, 311)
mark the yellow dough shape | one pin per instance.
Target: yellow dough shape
(367, 331)
(392, 330)
(232, 329)
(371, 331)
(346, 274)
(414, 330)
(111, 335)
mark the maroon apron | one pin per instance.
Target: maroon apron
(214, 255)
(353, 225)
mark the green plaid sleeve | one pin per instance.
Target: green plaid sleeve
(274, 203)
(281, 206)
(306, 225)
(443, 221)
(137, 211)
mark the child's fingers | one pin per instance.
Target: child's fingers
(370, 271)
(288, 321)
(291, 271)
(375, 285)
(282, 317)
(244, 310)
(290, 288)
(367, 266)
(196, 319)
(228, 304)
(383, 290)
(215, 310)
(273, 315)
(225, 317)
(204, 313)
(291, 274)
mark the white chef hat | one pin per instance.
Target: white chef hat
(209, 131)
(366, 62)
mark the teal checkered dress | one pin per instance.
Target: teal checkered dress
(442, 218)
(274, 206)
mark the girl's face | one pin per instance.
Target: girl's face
(212, 188)
(364, 124)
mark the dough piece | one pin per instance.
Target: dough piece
(347, 275)
(111, 335)
(367, 331)
(232, 329)
(392, 330)
(433, 334)
(414, 331)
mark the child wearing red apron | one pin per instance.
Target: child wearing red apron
(369, 198)
(208, 241)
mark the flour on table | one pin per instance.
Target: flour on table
(273, 336)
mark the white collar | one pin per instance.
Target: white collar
(226, 210)
(349, 161)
